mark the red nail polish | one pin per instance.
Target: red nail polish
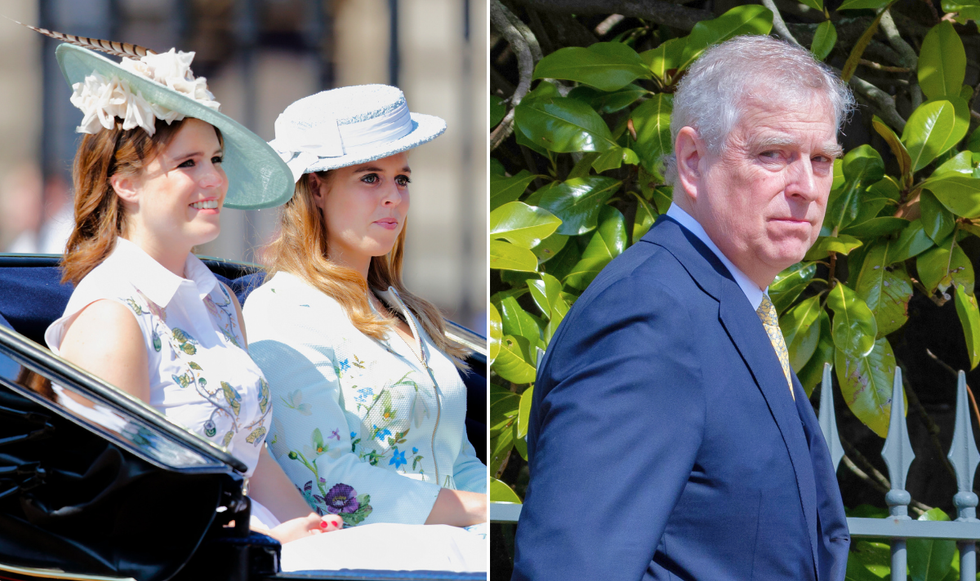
(324, 524)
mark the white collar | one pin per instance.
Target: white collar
(153, 279)
(751, 290)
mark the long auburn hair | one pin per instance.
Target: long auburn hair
(99, 214)
(301, 250)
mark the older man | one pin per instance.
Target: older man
(669, 439)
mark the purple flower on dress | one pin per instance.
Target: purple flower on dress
(342, 498)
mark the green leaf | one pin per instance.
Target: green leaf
(959, 164)
(868, 561)
(897, 147)
(545, 291)
(966, 310)
(524, 412)
(563, 125)
(911, 242)
(862, 4)
(824, 245)
(740, 20)
(861, 167)
(607, 66)
(522, 225)
(504, 189)
(562, 263)
(549, 247)
(866, 384)
(812, 372)
(799, 331)
(815, 4)
(854, 328)
(875, 227)
(664, 60)
(885, 287)
(957, 192)
(931, 130)
(511, 363)
(973, 143)
(824, 40)
(942, 62)
(506, 256)
(614, 159)
(965, 10)
(577, 202)
(788, 284)
(937, 221)
(518, 322)
(607, 243)
(500, 492)
(504, 405)
(943, 266)
(646, 215)
(497, 110)
(495, 328)
(930, 559)
(610, 102)
(651, 120)
(862, 43)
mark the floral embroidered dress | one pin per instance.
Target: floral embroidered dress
(366, 429)
(200, 377)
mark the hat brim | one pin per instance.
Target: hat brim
(425, 128)
(257, 176)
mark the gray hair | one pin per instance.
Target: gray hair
(711, 96)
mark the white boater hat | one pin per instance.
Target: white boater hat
(347, 126)
(161, 86)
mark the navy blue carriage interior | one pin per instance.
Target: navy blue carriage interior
(146, 502)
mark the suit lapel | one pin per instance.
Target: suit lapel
(750, 339)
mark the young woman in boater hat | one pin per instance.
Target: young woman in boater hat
(155, 168)
(370, 406)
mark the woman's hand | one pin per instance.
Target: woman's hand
(304, 526)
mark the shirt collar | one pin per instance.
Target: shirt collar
(153, 279)
(751, 290)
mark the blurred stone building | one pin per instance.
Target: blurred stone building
(259, 56)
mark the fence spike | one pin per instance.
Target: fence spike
(897, 451)
(828, 417)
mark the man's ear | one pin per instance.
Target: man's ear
(125, 187)
(689, 149)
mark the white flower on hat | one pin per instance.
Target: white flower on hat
(102, 99)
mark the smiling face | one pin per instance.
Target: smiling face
(174, 204)
(762, 198)
(364, 207)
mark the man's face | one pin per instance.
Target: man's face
(763, 198)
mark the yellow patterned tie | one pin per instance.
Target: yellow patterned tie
(767, 312)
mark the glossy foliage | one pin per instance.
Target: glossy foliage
(596, 125)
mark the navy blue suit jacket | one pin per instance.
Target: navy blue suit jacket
(663, 440)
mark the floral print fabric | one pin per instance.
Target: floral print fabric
(365, 429)
(200, 377)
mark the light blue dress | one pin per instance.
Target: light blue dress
(365, 429)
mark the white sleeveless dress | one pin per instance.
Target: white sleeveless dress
(200, 376)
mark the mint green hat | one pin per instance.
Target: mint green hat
(257, 176)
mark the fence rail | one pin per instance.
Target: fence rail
(898, 527)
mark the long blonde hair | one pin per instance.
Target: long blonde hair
(301, 250)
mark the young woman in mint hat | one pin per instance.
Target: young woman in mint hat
(370, 406)
(155, 168)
